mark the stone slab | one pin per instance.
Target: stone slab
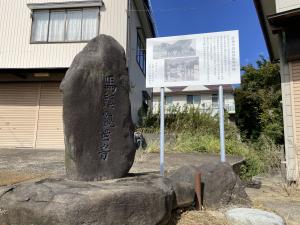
(248, 216)
(140, 200)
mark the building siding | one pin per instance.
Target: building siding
(285, 5)
(286, 88)
(137, 78)
(17, 52)
(295, 74)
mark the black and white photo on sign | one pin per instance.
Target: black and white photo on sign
(182, 69)
(180, 48)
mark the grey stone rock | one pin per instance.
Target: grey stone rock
(98, 127)
(183, 185)
(140, 200)
(220, 185)
(248, 216)
(184, 194)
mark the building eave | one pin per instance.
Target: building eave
(264, 8)
(35, 70)
(144, 12)
(285, 19)
(67, 4)
(263, 24)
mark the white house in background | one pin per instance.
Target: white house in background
(39, 39)
(204, 97)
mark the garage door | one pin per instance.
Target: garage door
(18, 114)
(50, 125)
(31, 115)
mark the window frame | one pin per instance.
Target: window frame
(139, 49)
(65, 24)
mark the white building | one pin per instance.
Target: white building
(204, 97)
(39, 39)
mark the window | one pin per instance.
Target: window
(56, 26)
(74, 24)
(215, 100)
(189, 99)
(65, 25)
(40, 26)
(169, 100)
(197, 100)
(193, 99)
(141, 54)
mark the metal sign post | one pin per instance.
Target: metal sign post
(162, 130)
(221, 121)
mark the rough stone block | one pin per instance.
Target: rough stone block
(220, 185)
(141, 200)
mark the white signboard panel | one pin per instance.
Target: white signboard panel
(201, 59)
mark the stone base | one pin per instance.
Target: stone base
(138, 200)
(145, 199)
(219, 183)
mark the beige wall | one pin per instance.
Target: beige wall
(15, 24)
(295, 91)
(285, 5)
(287, 104)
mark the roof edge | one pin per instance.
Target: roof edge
(67, 4)
(262, 21)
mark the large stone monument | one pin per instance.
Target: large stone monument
(100, 145)
(98, 127)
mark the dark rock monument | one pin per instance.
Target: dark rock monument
(98, 127)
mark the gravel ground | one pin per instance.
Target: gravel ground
(52, 161)
(274, 195)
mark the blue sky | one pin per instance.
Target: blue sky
(180, 17)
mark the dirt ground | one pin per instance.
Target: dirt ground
(17, 165)
(275, 195)
(192, 217)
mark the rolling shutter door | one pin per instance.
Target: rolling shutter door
(18, 114)
(50, 125)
